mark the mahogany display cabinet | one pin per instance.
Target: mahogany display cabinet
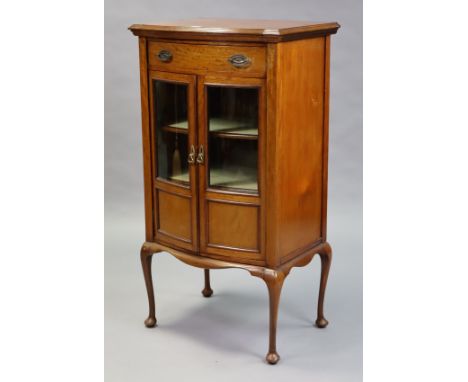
(235, 148)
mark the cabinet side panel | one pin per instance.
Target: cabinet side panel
(146, 139)
(299, 144)
(326, 98)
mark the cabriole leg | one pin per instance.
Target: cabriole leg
(146, 256)
(274, 283)
(326, 258)
(207, 291)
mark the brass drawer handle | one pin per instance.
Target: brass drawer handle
(239, 61)
(201, 155)
(165, 56)
(191, 156)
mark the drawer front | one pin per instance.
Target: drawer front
(247, 61)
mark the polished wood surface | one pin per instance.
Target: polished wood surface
(233, 225)
(298, 124)
(203, 59)
(236, 30)
(274, 282)
(273, 278)
(176, 218)
(204, 262)
(228, 243)
(146, 256)
(325, 253)
(207, 291)
(283, 224)
(326, 99)
(271, 157)
(146, 139)
(174, 215)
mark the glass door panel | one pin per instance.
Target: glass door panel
(172, 135)
(233, 138)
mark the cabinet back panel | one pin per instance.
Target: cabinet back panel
(299, 136)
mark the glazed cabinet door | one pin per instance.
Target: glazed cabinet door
(231, 136)
(174, 142)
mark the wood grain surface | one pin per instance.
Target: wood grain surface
(268, 230)
(217, 29)
(203, 59)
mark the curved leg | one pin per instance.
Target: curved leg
(146, 256)
(207, 291)
(326, 258)
(274, 283)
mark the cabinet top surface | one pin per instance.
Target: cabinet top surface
(253, 30)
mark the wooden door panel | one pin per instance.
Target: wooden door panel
(233, 226)
(174, 216)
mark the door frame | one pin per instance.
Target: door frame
(231, 197)
(176, 189)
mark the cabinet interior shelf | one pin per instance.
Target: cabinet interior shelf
(245, 180)
(223, 128)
